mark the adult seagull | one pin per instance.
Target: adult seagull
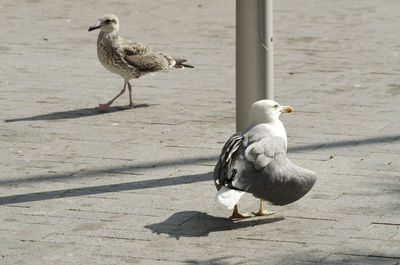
(254, 161)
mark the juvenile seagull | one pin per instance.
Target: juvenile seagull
(254, 161)
(127, 58)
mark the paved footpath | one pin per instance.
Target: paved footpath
(134, 186)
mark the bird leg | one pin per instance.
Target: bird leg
(238, 215)
(262, 212)
(130, 105)
(104, 107)
(130, 95)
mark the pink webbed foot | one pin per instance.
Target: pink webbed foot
(130, 106)
(103, 107)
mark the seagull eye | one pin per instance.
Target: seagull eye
(107, 21)
(275, 106)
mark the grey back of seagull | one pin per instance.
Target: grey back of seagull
(255, 162)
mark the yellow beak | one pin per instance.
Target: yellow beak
(286, 109)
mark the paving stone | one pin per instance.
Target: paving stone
(135, 186)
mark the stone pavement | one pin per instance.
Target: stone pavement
(134, 186)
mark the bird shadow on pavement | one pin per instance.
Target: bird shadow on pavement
(199, 224)
(74, 114)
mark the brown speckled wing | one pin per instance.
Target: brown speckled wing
(143, 58)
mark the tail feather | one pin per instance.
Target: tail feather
(228, 197)
(180, 63)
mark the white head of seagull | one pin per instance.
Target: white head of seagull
(107, 23)
(266, 111)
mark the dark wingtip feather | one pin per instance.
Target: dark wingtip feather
(180, 63)
(187, 65)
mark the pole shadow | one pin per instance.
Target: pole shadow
(104, 172)
(199, 224)
(148, 166)
(126, 186)
(345, 143)
(73, 114)
(213, 261)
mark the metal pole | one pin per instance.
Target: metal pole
(269, 46)
(254, 56)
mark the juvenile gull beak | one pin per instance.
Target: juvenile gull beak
(95, 26)
(286, 109)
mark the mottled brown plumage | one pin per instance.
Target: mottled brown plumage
(127, 58)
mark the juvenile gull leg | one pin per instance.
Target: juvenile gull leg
(262, 212)
(104, 107)
(238, 215)
(130, 105)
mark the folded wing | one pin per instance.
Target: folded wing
(262, 169)
(143, 58)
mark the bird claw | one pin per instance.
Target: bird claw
(238, 215)
(102, 107)
(130, 106)
(263, 213)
